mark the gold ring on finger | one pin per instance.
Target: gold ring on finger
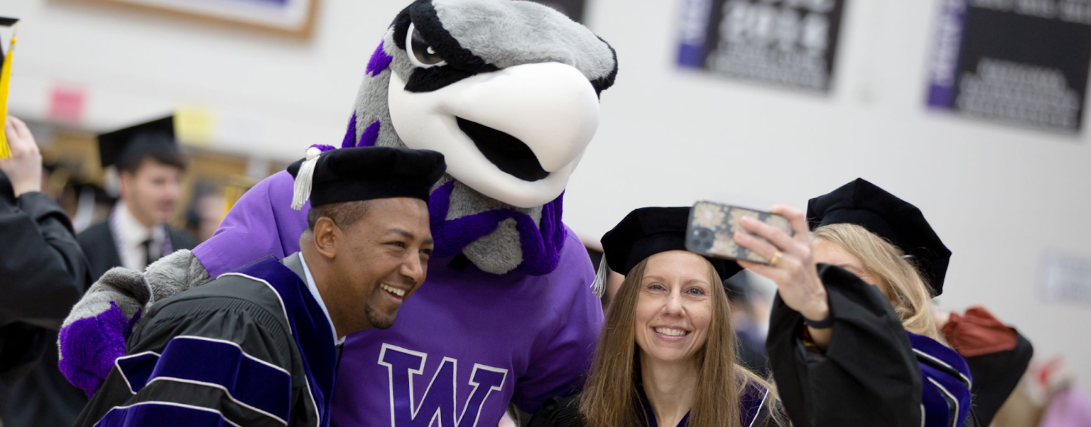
(775, 258)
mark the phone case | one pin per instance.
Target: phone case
(713, 225)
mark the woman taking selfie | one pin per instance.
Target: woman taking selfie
(852, 337)
(666, 354)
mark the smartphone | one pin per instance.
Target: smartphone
(712, 227)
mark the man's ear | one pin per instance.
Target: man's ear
(328, 237)
(124, 181)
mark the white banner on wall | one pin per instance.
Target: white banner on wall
(1064, 277)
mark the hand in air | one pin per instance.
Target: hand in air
(24, 167)
(791, 258)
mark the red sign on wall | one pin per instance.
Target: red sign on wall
(66, 104)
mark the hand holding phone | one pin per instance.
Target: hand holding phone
(712, 227)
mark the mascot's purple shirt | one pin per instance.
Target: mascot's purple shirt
(460, 344)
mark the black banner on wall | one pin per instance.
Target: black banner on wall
(1014, 61)
(572, 8)
(789, 43)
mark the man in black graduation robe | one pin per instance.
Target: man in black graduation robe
(42, 272)
(260, 346)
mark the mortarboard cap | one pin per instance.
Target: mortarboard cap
(123, 147)
(648, 231)
(899, 222)
(365, 173)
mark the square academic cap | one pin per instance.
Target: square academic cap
(885, 215)
(120, 147)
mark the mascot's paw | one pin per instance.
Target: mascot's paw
(94, 333)
(89, 347)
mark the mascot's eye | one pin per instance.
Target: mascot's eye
(420, 53)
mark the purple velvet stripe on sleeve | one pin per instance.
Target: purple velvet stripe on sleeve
(541, 244)
(370, 135)
(379, 61)
(90, 347)
(221, 364)
(350, 133)
(161, 414)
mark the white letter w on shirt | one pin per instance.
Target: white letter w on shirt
(437, 405)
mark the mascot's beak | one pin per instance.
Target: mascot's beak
(550, 107)
(515, 134)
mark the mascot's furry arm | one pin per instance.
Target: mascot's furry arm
(94, 333)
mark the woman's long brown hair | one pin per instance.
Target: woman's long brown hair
(610, 397)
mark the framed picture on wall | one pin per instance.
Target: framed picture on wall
(290, 17)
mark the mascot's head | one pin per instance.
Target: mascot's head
(508, 91)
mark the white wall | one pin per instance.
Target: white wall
(998, 195)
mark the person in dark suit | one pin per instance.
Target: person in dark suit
(42, 269)
(150, 169)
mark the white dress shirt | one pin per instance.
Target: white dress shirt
(129, 236)
(318, 297)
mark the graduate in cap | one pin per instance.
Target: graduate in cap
(150, 168)
(852, 337)
(996, 355)
(666, 355)
(260, 346)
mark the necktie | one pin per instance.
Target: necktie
(147, 247)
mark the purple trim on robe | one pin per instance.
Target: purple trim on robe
(92, 345)
(154, 413)
(379, 61)
(370, 135)
(247, 380)
(541, 245)
(310, 329)
(350, 134)
(945, 384)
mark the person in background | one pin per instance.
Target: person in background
(666, 355)
(748, 322)
(261, 346)
(852, 337)
(206, 209)
(997, 354)
(43, 274)
(150, 168)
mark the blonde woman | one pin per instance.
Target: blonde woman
(666, 354)
(852, 337)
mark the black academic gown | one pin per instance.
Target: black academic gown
(873, 372)
(42, 274)
(868, 375)
(252, 347)
(754, 410)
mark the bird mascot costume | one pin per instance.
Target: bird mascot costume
(508, 91)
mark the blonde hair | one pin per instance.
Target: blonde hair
(610, 397)
(907, 290)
